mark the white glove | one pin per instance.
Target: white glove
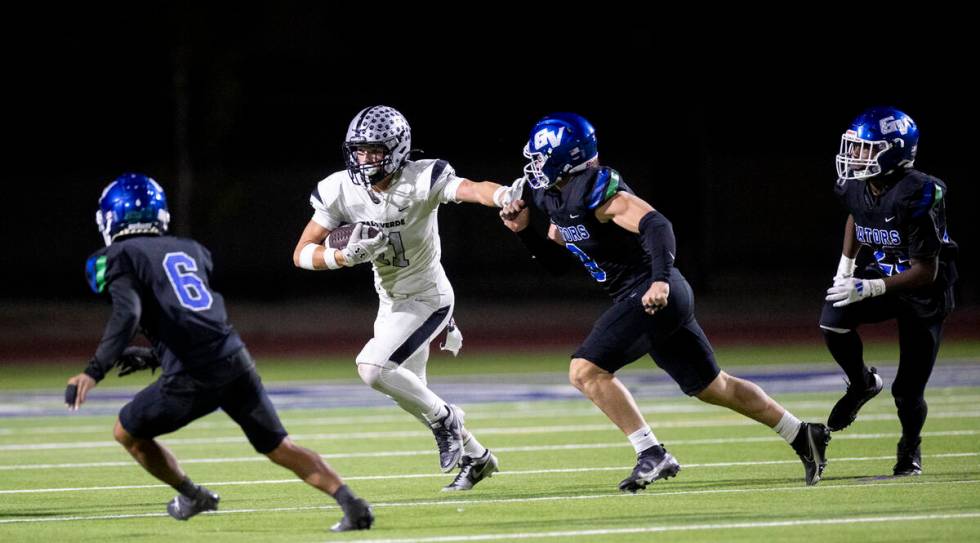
(845, 270)
(852, 290)
(363, 249)
(507, 194)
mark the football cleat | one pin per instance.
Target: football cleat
(651, 465)
(811, 446)
(846, 408)
(448, 432)
(909, 458)
(358, 515)
(472, 471)
(183, 508)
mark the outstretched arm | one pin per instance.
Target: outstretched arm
(119, 331)
(478, 192)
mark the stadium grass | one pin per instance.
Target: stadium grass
(22, 375)
(64, 479)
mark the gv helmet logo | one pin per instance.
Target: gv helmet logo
(891, 124)
(547, 137)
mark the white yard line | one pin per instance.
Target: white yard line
(682, 528)
(732, 419)
(474, 502)
(443, 475)
(507, 430)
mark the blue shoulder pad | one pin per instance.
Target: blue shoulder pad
(607, 183)
(95, 269)
(925, 198)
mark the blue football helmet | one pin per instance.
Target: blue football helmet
(132, 204)
(879, 141)
(559, 144)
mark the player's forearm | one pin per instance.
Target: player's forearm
(477, 192)
(921, 273)
(556, 260)
(850, 248)
(657, 238)
(314, 257)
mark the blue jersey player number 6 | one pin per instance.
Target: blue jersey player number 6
(188, 287)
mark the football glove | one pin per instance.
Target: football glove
(852, 290)
(363, 249)
(135, 359)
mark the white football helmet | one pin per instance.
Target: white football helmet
(377, 126)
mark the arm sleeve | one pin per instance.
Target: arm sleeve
(657, 237)
(443, 183)
(122, 326)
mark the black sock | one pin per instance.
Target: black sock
(848, 351)
(912, 413)
(344, 495)
(188, 488)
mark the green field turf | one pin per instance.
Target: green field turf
(63, 478)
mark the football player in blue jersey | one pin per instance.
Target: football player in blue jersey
(629, 248)
(899, 214)
(160, 285)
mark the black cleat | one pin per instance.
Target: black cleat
(448, 432)
(651, 465)
(473, 471)
(358, 515)
(183, 508)
(909, 459)
(811, 446)
(846, 408)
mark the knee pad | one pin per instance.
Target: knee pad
(370, 374)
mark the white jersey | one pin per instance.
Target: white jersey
(407, 212)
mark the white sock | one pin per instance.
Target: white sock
(788, 427)
(405, 388)
(643, 439)
(441, 410)
(473, 448)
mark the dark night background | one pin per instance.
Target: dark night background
(239, 113)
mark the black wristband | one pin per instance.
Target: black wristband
(94, 370)
(657, 237)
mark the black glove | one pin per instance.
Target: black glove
(135, 359)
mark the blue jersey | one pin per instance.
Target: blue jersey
(162, 282)
(906, 221)
(613, 255)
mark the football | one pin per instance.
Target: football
(339, 237)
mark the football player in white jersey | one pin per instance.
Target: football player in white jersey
(382, 188)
